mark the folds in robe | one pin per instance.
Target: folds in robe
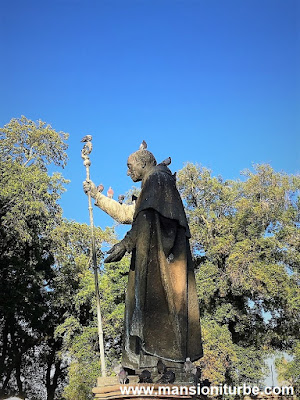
(162, 313)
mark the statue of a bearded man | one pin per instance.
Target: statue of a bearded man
(162, 312)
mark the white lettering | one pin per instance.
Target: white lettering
(232, 390)
(184, 390)
(287, 390)
(276, 390)
(246, 389)
(193, 390)
(214, 391)
(268, 390)
(175, 390)
(205, 390)
(255, 390)
(141, 390)
(165, 390)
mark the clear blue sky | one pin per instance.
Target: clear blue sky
(215, 82)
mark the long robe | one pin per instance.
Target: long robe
(162, 312)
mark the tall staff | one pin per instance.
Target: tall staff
(85, 152)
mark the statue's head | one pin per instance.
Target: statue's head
(140, 162)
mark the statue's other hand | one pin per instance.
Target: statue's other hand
(89, 186)
(116, 253)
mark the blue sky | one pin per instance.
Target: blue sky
(214, 82)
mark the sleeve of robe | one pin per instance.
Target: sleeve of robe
(122, 213)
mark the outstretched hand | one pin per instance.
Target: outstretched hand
(89, 186)
(116, 253)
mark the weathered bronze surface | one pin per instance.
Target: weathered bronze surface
(162, 313)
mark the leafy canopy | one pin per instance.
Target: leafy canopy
(28, 142)
(245, 240)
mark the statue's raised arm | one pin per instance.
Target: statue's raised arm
(122, 213)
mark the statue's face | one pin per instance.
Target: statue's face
(136, 168)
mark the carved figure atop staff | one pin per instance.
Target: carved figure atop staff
(162, 312)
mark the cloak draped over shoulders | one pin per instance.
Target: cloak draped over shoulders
(159, 192)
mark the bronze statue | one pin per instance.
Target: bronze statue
(162, 313)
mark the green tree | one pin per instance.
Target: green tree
(289, 370)
(28, 211)
(28, 142)
(74, 292)
(245, 240)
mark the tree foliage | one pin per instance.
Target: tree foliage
(28, 142)
(289, 370)
(47, 311)
(75, 284)
(245, 239)
(29, 212)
